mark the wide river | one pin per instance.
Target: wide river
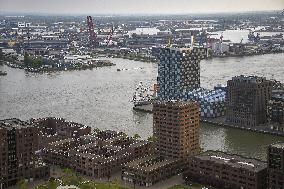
(102, 98)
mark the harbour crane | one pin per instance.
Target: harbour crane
(110, 36)
(221, 38)
(170, 42)
(93, 35)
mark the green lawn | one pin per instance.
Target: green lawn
(71, 178)
(193, 186)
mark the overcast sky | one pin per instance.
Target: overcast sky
(137, 6)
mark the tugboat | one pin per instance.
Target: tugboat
(3, 73)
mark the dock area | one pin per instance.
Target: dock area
(219, 121)
(147, 108)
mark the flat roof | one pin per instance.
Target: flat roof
(143, 163)
(14, 123)
(233, 160)
(278, 145)
(249, 79)
(175, 103)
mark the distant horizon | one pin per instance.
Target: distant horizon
(136, 7)
(10, 13)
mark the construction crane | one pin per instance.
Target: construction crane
(28, 34)
(110, 36)
(221, 38)
(93, 35)
(170, 42)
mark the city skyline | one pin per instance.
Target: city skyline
(137, 7)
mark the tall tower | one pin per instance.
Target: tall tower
(275, 160)
(93, 35)
(275, 110)
(178, 71)
(247, 98)
(18, 143)
(176, 128)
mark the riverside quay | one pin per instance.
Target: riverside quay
(97, 155)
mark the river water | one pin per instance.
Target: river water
(102, 98)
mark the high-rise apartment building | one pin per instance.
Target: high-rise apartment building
(176, 128)
(18, 144)
(247, 98)
(275, 110)
(176, 136)
(275, 161)
(178, 72)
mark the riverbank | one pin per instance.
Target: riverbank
(133, 56)
(246, 54)
(220, 121)
(101, 98)
(52, 68)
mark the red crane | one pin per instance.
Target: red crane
(110, 35)
(93, 35)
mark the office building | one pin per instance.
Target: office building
(275, 161)
(247, 98)
(179, 79)
(275, 110)
(178, 72)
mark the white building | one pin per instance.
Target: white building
(77, 58)
(220, 48)
(67, 187)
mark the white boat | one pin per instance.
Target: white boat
(143, 95)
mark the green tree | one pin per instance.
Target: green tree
(67, 171)
(136, 136)
(210, 52)
(70, 178)
(134, 35)
(96, 130)
(116, 184)
(37, 62)
(28, 61)
(151, 139)
(1, 55)
(52, 184)
(22, 184)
